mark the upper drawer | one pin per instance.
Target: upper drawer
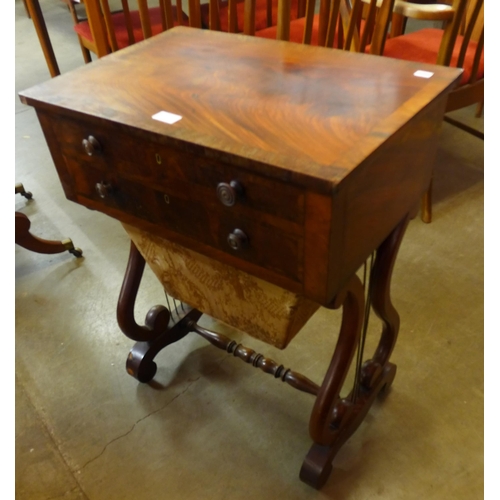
(166, 168)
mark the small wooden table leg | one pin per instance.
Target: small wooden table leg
(25, 239)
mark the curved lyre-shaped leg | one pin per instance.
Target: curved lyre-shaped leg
(330, 411)
(380, 292)
(333, 419)
(161, 327)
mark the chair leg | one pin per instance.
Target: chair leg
(426, 205)
(25, 239)
(86, 54)
(464, 127)
(26, 9)
(480, 109)
(76, 20)
(398, 25)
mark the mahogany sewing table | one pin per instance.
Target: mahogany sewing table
(289, 163)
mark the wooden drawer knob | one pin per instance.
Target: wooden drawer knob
(237, 239)
(104, 189)
(228, 194)
(91, 145)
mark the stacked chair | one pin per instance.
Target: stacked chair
(459, 43)
(104, 31)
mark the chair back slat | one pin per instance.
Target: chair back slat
(249, 21)
(213, 15)
(478, 24)
(167, 14)
(378, 32)
(324, 13)
(369, 14)
(284, 11)
(472, 18)
(163, 15)
(194, 13)
(450, 33)
(269, 13)
(98, 27)
(232, 16)
(128, 22)
(333, 23)
(301, 8)
(353, 19)
(477, 58)
(180, 12)
(310, 9)
(144, 16)
(110, 29)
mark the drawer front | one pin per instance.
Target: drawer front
(182, 192)
(153, 163)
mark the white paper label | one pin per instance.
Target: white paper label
(423, 74)
(166, 117)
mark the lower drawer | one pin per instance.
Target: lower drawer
(245, 236)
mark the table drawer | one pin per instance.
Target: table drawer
(180, 194)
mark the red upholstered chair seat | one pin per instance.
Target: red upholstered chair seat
(120, 25)
(260, 14)
(423, 46)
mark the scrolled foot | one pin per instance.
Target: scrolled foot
(347, 417)
(139, 365)
(317, 466)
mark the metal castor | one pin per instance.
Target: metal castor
(20, 190)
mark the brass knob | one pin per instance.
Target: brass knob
(228, 194)
(91, 145)
(237, 239)
(104, 189)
